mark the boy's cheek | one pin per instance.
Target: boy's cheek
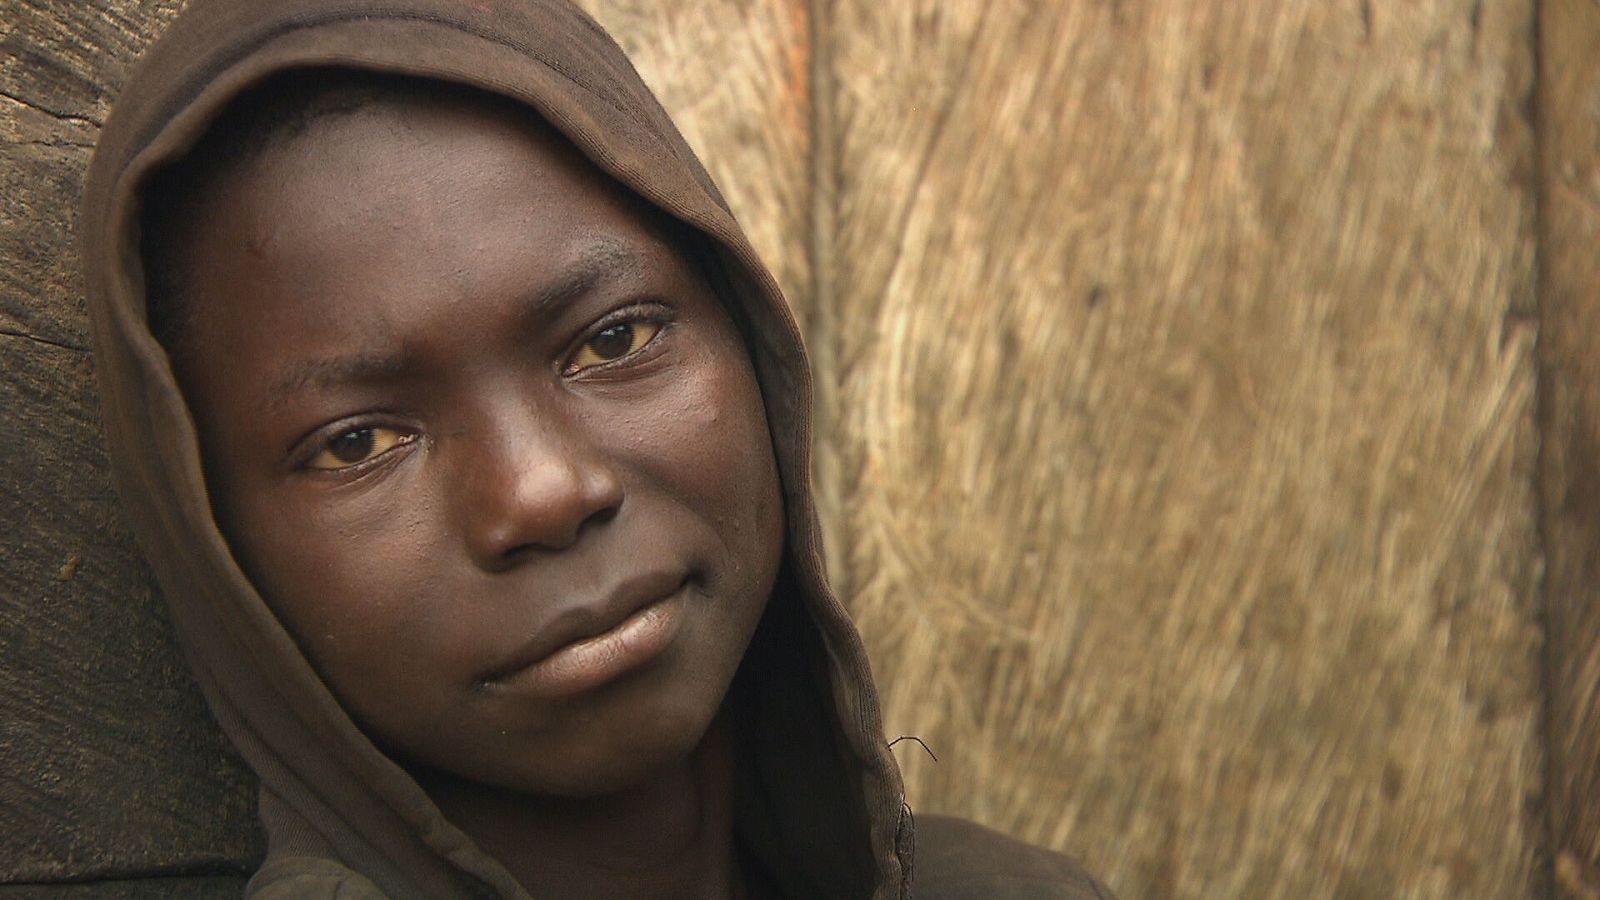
(713, 433)
(339, 575)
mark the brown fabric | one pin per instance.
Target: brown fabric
(822, 807)
(964, 861)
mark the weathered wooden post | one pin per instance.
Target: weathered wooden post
(1569, 345)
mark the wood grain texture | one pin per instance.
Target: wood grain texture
(59, 65)
(1186, 382)
(109, 765)
(1569, 311)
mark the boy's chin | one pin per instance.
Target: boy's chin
(632, 761)
(623, 767)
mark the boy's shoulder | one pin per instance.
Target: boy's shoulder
(955, 860)
(961, 860)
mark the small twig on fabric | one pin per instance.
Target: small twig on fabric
(912, 737)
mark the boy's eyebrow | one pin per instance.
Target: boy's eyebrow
(323, 372)
(603, 258)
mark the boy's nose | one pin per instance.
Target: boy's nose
(538, 489)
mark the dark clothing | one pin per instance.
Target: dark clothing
(956, 860)
(820, 802)
(960, 860)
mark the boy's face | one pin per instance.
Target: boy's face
(485, 440)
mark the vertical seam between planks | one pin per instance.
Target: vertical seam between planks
(1544, 874)
(820, 325)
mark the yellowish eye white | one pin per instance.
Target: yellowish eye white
(357, 445)
(613, 343)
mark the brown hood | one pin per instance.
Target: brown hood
(823, 803)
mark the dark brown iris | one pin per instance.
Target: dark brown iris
(613, 342)
(353, 446)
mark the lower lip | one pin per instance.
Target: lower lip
(587, 664)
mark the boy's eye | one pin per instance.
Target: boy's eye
(357, 445)
(612, 343)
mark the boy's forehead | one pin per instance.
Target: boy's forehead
(299, 115)
(433, 185)
(370, 224)
(383, 129)
(410, 156)
(289, 104)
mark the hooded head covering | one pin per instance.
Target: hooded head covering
(821, 803)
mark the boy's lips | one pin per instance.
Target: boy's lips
(589, 644)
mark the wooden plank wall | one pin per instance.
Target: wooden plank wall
(1569, 310)
(1187, 395)
(1176, 374)
(109, 766)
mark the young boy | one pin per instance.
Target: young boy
(467, 436)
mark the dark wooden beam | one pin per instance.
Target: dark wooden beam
(1569, 358)
(109, 764)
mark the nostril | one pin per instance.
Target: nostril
(516, 550)
(537, 490)
(547, 509)
(603, 514)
